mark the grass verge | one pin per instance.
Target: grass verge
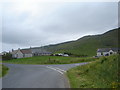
(50, 60)
(3, 70)
(102, 73)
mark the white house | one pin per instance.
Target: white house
(107, 51)
(21, 53)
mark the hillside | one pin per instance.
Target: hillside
(87, 45)
(103, 73)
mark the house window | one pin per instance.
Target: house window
(101, 53)
(111, 53)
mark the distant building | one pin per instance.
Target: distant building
(21, 53)
(107, 51)
(39, 51)
(61, 54)
(66, 55)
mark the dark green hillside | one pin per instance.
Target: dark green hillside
(87, 45)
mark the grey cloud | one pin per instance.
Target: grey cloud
(83, 18)
(68, 22)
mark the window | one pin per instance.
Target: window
(101, 53)
(111, 53)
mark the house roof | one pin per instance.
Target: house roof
(39, 50)
(26, 51)
(14, 52)
(108, 49)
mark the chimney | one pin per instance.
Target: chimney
(12, 50)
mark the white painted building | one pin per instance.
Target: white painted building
(107, 51)
(21, 53)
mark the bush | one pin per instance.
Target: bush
(7, 56)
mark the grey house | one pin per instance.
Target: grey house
(39, 51)
(107, 51)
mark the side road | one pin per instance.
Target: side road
(36, 76)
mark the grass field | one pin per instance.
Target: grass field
(3, 70)
(50, 60)
(102, 73)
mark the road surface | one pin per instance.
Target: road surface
(36, 76)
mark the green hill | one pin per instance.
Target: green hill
(87, 45)
(103, 73)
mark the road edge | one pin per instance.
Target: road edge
(66, 81)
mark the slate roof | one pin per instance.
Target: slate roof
(39, 50)
(108, 49)
(26, 51)
(14, 52)
(32, 50)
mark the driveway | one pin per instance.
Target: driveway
(37, 76)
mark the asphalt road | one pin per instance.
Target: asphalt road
(37, 76)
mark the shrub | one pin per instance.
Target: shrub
(7, 56)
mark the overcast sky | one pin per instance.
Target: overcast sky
(26, 24)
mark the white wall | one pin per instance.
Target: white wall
(28, 55)
(99, 54)
(19, 54)
(112, 52)
(14, 55)
(104, 53)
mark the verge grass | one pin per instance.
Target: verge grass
(102, 73)
(3, 70)
(50, 60)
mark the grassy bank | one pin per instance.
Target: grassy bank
(50, 60)
(87, 45)
(3, 70)
(102, 73)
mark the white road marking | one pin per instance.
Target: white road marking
(60, 69)
(57, 69)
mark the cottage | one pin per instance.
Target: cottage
(107, 51)
(21, 53)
